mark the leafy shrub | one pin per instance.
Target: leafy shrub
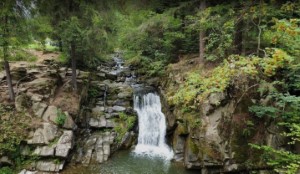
(6, 170)
(61, 118)
(125, 124)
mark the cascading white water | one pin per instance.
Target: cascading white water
(152, 127)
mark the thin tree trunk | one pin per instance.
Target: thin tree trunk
(6, 64)
(60, 44)
(202, 35)
(9, 81)
(73, 57)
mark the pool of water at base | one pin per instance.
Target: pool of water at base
(126, 162)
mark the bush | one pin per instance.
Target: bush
(61, 118)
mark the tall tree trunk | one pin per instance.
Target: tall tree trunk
(6, 64)
(73, 58)
(202, 35)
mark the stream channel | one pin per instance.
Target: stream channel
(151, 155)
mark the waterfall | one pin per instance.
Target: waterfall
(152, 127)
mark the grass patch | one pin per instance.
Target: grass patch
(40, 47)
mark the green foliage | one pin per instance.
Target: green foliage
(61, 118)
(6, 170)
(283, 161)
(218, 22)
(21, 55)
(125, 124)
(261, 111)
(12, 127)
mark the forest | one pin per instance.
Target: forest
(193, 50)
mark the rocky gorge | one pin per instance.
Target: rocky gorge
(87, 127)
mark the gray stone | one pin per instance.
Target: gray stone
(65, 144)
(44, 151)
(98, 123)
(216, 98)
(121, 103)
(39, 109)
(69, 123)
(110, 124)
(49, 166)
(125, 95)
(87, 157)
(5, 161)
(118, 108)
(50, 114)
(44, 135)
(100, 156)
(36, 97)
(98, 110)
(24, 171)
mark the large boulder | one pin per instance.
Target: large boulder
(50, 114)
(49, 166)
(44, 135)
(44, 151)
(69, 122)
(65, 144)
(39, 109)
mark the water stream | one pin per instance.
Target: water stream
(152, 127)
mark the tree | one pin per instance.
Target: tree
(12, 16)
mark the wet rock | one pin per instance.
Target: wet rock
(49, 166)
(44, 151)
(44, 135)
(178, 145)
(39, 109)
(65, 144)
(128, 140)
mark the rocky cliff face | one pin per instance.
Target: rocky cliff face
(64, 127)
(215, 137)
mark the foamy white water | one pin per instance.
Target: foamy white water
(152, 127)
